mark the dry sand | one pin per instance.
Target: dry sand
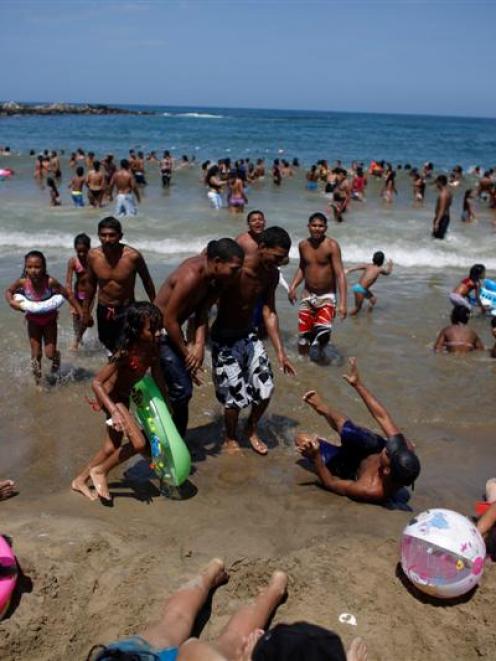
(93, 574)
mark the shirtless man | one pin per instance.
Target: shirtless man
(443, 203)
(241, 369)
(342, 194)
(76, 186)
(322, 270)
(370, 274)
(138, 169)
(249, 240)
(125, 184)
(366, 467)
(166, 169)
(113, 268)
(96, 185)
(189, 291)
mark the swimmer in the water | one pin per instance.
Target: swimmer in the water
(460, 295)
(458, 338)
(370, 274)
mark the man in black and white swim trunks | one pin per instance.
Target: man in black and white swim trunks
(242, 372)
(366, 466)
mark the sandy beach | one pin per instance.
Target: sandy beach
(92, 574)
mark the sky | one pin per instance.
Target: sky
(398, 56)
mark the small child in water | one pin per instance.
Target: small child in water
(36, 285)
(136, 354)
(458, 338)
(78, 266)
(460, 295)
(370, 274)
(54, 193)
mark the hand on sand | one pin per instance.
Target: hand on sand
(353, 378)
(7, 489)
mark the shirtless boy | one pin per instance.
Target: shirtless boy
(241, 369)
(458, 338)
(123, 181)
(370, 274)
(366, 467)
(113, 268)
(322, 270)
(76, 187)
(189, 291)
(443, 203)
(249, 240)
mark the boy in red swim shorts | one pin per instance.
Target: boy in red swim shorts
(322, 270)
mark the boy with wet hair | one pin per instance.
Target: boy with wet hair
(370, 274)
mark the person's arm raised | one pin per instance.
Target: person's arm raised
(377, 410)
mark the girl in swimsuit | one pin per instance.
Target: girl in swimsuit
(136, 354)
(78, 266)
(457, 338)
(36, 285)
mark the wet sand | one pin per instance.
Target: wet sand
(93, 574)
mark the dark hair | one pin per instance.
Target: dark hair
(136, 315)
(125, 164)
(103, 653)
(476, 272)
(224, 250)
(378, 258)
(80, 170)
(96, 165)
(460, 315)
(83, 238)
(441, 179)
(275, 237)
(35, 253)
(253, 212)
(110, 223)
(318, 215)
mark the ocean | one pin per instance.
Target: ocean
(448, 398)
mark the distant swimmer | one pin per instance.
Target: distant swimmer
(321, 269)
(468, 215)
(418, 184)
(214, 184)
(236, 196)
(341, 195)
(366, 466)
(458, 338)
(358, 185)
(96, 184)
(166, 165)
(442, 213)
(389, 188)
(123, 181)
(187, 294)
(78, 182)
(112, 269)
(370, 274)
(242, 373)
(55, 200)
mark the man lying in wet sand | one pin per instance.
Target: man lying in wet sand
(366, 467)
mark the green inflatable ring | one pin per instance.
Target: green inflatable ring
(171, 460)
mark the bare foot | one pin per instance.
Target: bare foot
(249, 643)
(358, 651)
(256, 442)
(100, 483)
(279, 583)
(79, 484)
(216, 573)
(7, 489)
(231, 446)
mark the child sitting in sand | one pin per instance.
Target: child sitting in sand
(460, 295)
(36, 285)
(370, 274)
(78, 266)
(137, 352)
(54, 193)
(457, 338)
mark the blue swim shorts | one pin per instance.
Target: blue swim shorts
(142, 649)
(360, 289)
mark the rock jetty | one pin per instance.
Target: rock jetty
(13, 108)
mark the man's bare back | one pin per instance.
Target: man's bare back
(123, 181)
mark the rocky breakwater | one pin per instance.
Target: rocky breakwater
(13, 108)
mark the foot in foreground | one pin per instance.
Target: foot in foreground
(358, 651)
(99, 480)
(255, 441)
(80, 484)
